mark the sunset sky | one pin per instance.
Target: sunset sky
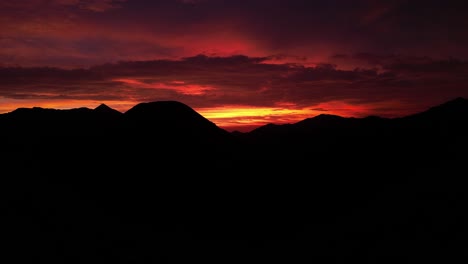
(239, 63)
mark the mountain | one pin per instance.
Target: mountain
(449, 118)
(166, 111)
(154, 119)
(105, 110)
(438, 130)
(176, 128)
(168, 130)
(162, 184)
(25, 120)
(172, 118)
(455, 110)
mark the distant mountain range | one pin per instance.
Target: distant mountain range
(178, 118)
(162, 184)
(172, 125)
(154, 117)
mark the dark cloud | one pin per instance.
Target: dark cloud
(203, 81)
(308, 26)
(91, 5)
(79, 32)
(330, 72)
(424, 65)
(409, 64)
(96, 5)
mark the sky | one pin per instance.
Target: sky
(241, 64)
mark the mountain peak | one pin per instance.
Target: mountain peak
(455, 108)
(167, 113)
(160, 104)
(163, 111)
(463, 99)
(327, 117)
(320, 119)
(104, 109)
(171, 118)
(459, 101)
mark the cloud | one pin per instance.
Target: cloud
(190, 1)
(204, 81)
(71, 33)
(91, 5)
(97, 5)
(424, 65)
(401, 64)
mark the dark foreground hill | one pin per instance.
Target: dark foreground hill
(162, 184)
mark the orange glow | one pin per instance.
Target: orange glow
(237, 117)
(343, 108)
(245, 118)
(178, 86)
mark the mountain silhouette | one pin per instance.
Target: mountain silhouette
(168, 111)
(174, 127)
(452, 111)
(456, 109)
(171, 118)
(438, 130)
(449, 118)
(107, 111)
(160, 183)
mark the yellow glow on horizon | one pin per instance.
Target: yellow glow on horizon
(224, 112)
(246, 117)
(229, 117)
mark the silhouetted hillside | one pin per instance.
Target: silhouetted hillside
(171, 129)
(105, 110)
(453, 110)
(173, 120)
(162, 184)
(434, 134)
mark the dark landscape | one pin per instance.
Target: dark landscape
(160, 183)
(224, 131)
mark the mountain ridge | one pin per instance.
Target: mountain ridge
(103, 188)
(456, 105)
(175, 122)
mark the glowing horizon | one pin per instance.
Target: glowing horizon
(243, 118)
(231, 62)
